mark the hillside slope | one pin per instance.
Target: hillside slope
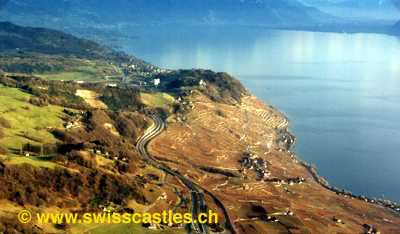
(362, 9)
(241, 154)
(79, 12)
(40, 40)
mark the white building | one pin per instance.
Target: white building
(157, 82)
(202, 83)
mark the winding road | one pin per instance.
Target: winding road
(197, 195)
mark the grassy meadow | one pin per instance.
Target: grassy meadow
(162, 100)
(28, 123)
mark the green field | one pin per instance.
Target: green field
(90, 72)
(29, 123)
(162, 100)
(67, 76)
(15, 160)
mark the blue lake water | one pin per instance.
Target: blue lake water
(340, 91)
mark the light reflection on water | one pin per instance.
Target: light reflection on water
(341, 91)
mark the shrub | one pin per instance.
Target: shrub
(129, 124)
(118, 99)
(38, 101)
(220, 113)
(78, 158)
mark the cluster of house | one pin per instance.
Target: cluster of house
(285, 140)
(185, 106)
(144, 70)
(74, 119)
(288, 181)
(250, 161)
(386, 203)
(107, 155)
(297, 180)
(150, 82)
(274, 219)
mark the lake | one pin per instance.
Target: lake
(340, 91)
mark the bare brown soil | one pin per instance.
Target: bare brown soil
(216, 135)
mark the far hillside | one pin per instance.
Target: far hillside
(361, 9)
(93, 12)
(46, 41)
(55, 55)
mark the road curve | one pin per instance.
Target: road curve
(197, 195)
